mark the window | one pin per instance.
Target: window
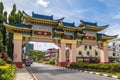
(80, 52)
(113, 54)
(117, 54)
(88, 53)
(85, 47)
(96, 53)
(114, 44)
(90, 47)
(113, 49)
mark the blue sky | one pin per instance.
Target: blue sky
(101, 11)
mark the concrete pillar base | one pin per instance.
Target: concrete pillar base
(69, 63)
(64, 64)
(18, 64)
(104, 62)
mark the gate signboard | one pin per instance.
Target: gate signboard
(42, 31)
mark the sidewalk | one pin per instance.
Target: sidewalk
(23, 74)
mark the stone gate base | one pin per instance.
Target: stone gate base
(64, 64)
(18, 64)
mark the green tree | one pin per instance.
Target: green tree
(10, 45)
(3, 29)
(1, 45)
(3, 18)
(1, 7)
(14, 18)
(36, 54)
(19, 17)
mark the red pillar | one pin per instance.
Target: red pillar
(62, 51)
(73, 53)
(104, 53)
(17, 55)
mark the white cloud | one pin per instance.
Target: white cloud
(43, 3)
(44, 46)
(113, 30)
(8, 9)
(117, 16)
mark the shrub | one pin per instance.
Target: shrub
(92, 66)
(9, 61)
(46, 62)
(104, 67)
(115, 67)
(2, 62)
(7, 71)
(52, 61)
(82, 65)
(74, 65)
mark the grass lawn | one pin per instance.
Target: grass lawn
(111, 74)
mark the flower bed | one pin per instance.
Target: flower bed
(7, 71)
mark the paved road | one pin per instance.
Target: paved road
(48, 72)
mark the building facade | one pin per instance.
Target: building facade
(114, 50)
(88, 53)
(51, 53)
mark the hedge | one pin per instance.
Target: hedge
(52, 62)
(113, 67)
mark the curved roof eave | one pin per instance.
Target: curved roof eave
(26, 15)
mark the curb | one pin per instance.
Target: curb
(97, 73)
(35, 78)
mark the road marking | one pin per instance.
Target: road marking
(35, 78)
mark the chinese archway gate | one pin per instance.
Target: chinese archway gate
(42, 28)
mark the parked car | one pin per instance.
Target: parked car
(28, 60)
(28, 63)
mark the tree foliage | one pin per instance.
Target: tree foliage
(19, 16)
(3, 18)
(36, 54)
(1, 7)
(1, 45)
(14, 18)
(6, 39)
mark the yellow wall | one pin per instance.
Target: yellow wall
(68, 41)
(111, 54)
(17, 36)
(84, 52)
(92, 52)
(105, 43)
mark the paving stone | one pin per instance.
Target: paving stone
(23, 74)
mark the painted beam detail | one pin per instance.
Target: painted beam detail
(69, 41)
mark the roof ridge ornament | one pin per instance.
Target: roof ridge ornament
(61, 20)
